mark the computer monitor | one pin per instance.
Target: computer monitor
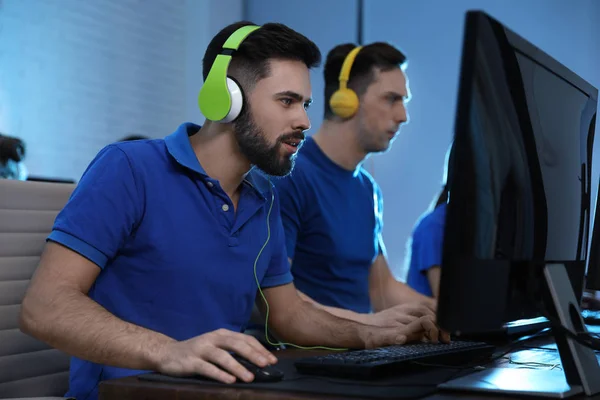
(515, 238)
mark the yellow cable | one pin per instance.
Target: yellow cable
(265, 299)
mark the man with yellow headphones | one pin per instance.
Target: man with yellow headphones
(157, 259)
(332, 208)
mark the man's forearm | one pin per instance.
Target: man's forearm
(338, 312)
(311, 325)
(77, 325)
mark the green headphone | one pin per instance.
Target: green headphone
(221, 98)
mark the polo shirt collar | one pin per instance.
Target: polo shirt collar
(179, 146)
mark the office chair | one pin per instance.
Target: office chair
(28, 367)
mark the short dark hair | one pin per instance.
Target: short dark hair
(133, 136)
(378, 55)
(250, 63)
(11, 148)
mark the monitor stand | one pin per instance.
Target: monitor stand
(581, 370)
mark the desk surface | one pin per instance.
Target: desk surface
(538, 354)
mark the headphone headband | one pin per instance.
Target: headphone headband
(233, 42)
(221, 98)
(347, 66)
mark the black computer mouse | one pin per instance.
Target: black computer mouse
(264, 374)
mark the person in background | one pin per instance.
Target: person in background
(12, 153)
(426, 243)
(133, 136)
(332, 209)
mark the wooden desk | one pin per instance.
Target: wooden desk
(131, 388)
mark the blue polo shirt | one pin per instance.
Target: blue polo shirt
(333, 220)
(174, 255)
(426, 249)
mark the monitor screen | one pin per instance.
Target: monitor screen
(518, 178)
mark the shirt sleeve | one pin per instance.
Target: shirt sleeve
(103, 210)
(290, 198)
(279, 270)
(430, 236)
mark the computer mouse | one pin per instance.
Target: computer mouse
(264, 374)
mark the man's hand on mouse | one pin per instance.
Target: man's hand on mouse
(208, 355)
(421, 329)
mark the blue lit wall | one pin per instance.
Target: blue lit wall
(76, 75)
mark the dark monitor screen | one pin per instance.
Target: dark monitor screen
(518, 178)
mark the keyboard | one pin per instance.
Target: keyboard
(379, 362)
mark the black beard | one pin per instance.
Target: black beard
(255, 147)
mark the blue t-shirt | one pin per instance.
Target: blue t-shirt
(333, 220)
(426, 249)
(175, 256)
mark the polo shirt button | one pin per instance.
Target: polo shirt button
(225, 207)
(209, 184)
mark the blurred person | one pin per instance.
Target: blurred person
(12, 153)
(425, 246)
(133, 136)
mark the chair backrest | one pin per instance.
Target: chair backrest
(28, 367)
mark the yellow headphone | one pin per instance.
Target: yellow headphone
(344, 102)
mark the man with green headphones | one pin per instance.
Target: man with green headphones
(160, 253)
(332, 209)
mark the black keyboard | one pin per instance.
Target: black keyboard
(375, 363)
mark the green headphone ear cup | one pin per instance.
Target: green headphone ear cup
(344, 103)
(214, 99)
